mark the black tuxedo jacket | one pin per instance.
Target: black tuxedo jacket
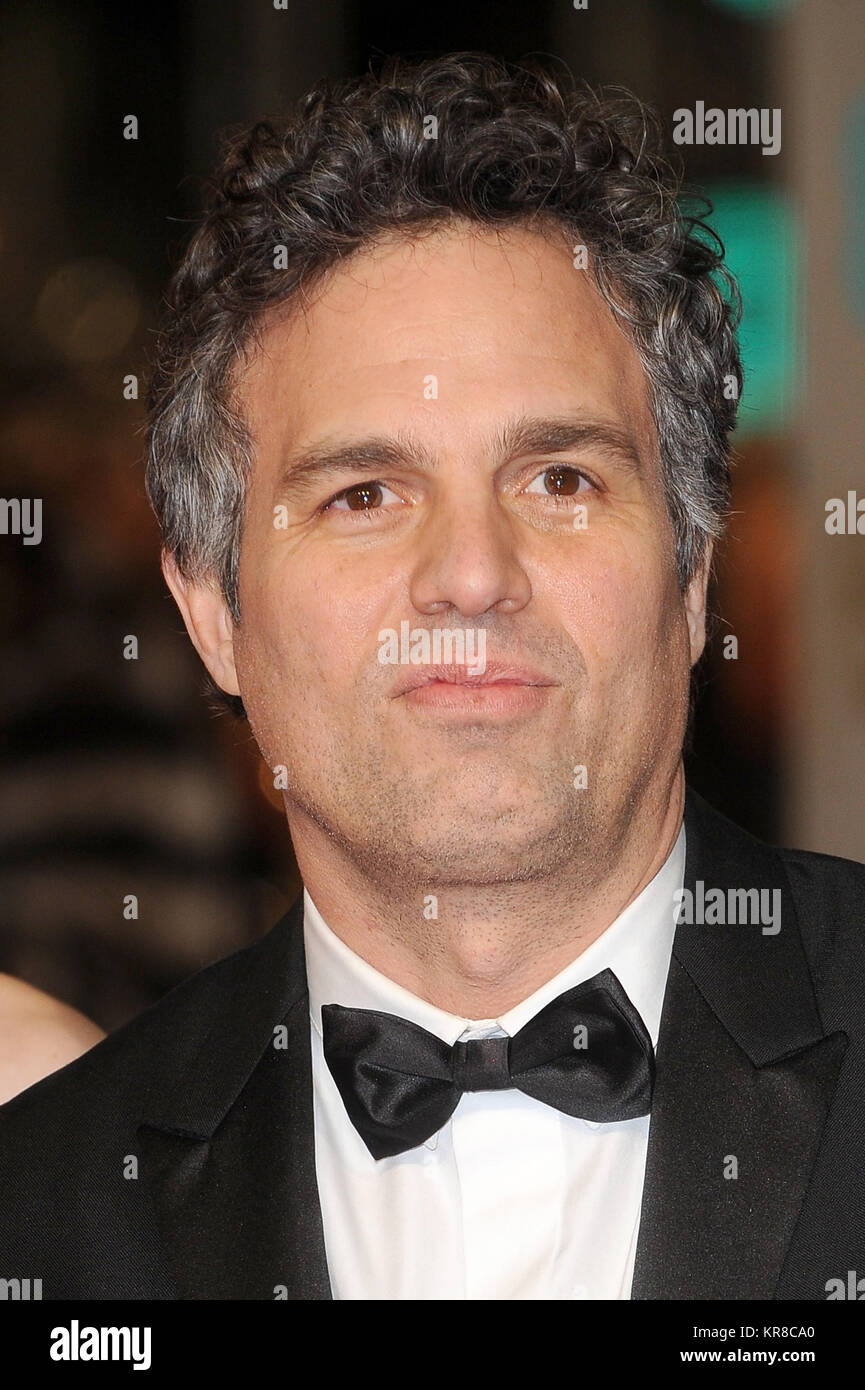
(176, 1159)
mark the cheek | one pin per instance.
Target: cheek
(312, 616)
(618, 606)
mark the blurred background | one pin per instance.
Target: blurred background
(139, 838)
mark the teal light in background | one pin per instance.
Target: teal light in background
(755, 9)
(756, 225)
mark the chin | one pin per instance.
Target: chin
(468, 851)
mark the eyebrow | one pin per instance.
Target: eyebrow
(525, 435)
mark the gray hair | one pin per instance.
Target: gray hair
(514, 144)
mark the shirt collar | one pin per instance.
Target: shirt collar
(636, 947)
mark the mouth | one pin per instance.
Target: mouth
(499, 690)
(467, 678)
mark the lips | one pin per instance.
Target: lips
(494, 673)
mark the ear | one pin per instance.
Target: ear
(695, 605)
(208, 621)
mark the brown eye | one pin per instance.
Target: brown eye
(360, 497)
(363, 497)
(564, 481)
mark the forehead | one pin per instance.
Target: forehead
(500, 320)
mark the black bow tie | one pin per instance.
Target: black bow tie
(587, 1053)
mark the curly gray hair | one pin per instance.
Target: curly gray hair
(514, 144)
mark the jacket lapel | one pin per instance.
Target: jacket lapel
(745, 1076)
(229, 1155)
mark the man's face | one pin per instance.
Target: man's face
(442, 348)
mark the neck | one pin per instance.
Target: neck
(478, 950)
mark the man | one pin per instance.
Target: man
(439, 445)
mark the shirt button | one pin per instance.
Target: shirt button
(580, 1291)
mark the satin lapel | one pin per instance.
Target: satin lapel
(745, 1076)
(229, 1156)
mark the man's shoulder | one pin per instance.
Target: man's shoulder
(808, 870)
(829, 896)
(826, 892)
(827, 889)
(139, 1060)
(70, 1144)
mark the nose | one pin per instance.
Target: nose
(468, 558)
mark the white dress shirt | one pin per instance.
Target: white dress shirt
(510, 1199)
